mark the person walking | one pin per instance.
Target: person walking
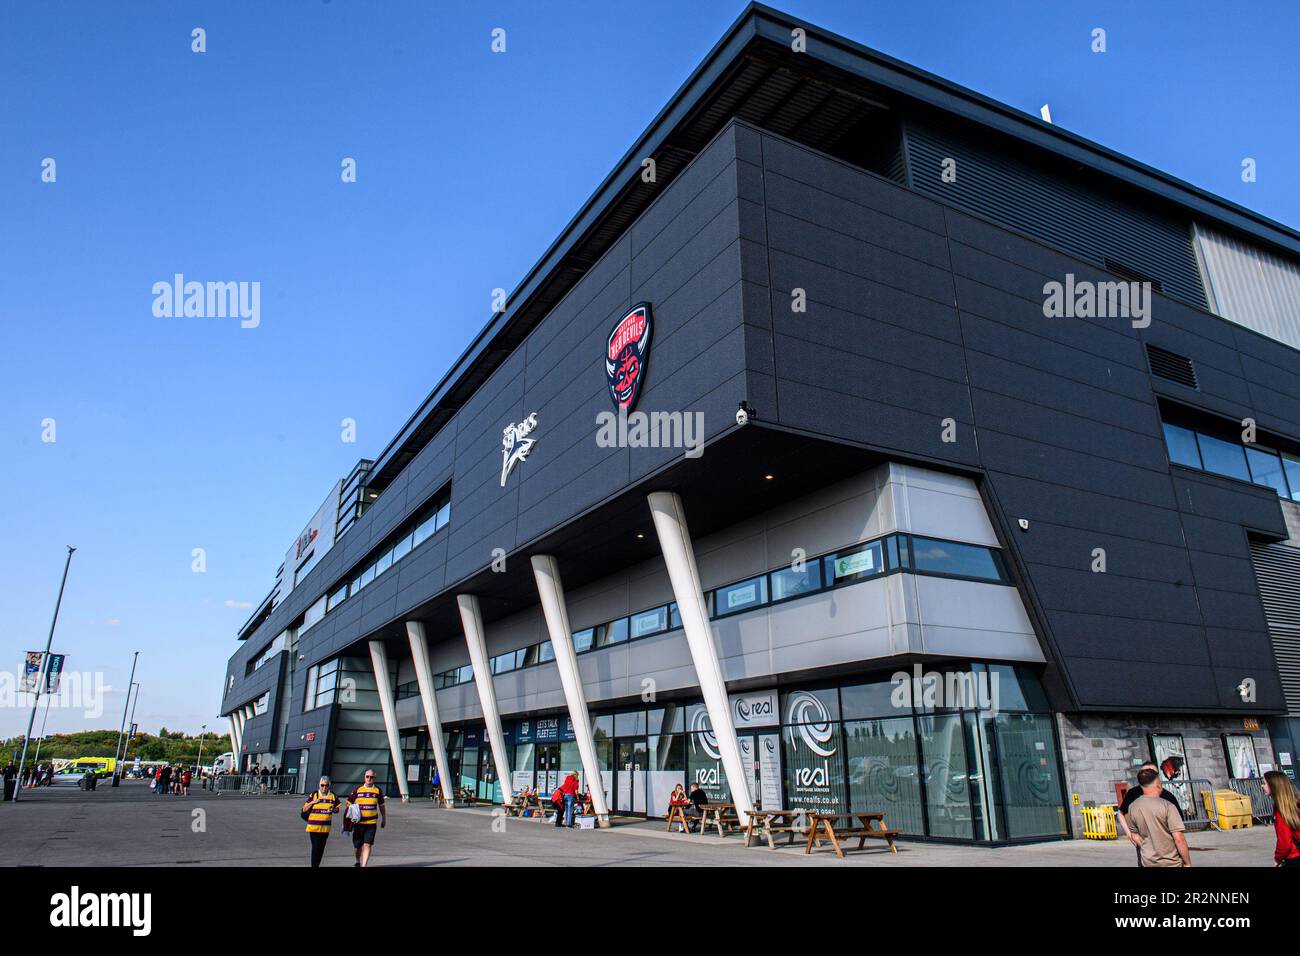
(1131, 795)
(1286, 817)
(186, 779)
(369, 800)
(1159, 824)
(318, 811)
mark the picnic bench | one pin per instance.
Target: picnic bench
(721, 815)
(769, 822)
(833, 826)
(533, 803)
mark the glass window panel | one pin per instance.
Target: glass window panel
(674, 617)
(1031, 790)
(1223, 457)
(630, 724)
(649, 622)
(337, 598)
(669, 719)
(402, 548)
(602, 727)
(545, 652)
(423, 530)
(877, 699)
(1291, 465)
(856, 564)
(584, 640)
(530, 655)
(1181, 443)
(883, 772)
(668, 752)
(949, 557)
(810, 706)
(1266, 469)
(384, 563)
(615, 632)
(443, 516)
(814, 767)
(367, 575)
(742, 595)
(788, 582)
(947, 781)
(1011, 688)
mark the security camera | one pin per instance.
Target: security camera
(744, 413)
(1024, 524)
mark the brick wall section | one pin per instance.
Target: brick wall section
(1099, 749)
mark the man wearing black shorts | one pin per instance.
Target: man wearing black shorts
(370, 799)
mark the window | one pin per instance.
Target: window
(443, 515)
(1223, 457)
(322, 682)
(545, 652)
(261, 704)
(741, 596)
(615, 632)
(855, 565)
(1181, 443)
(959, 560)
(583, 640)
(425, 529)
(649, 622)
(1291, 465)
(337, 597)
(788, 582)
(1266, 469)
(367, 575)
(384, 563)
(403, 547)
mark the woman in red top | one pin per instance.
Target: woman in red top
(1286, 817)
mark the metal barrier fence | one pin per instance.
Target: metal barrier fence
(1188, 793)
(255, 785)
(1261, 804)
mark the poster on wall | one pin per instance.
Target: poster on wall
(703, 759)
(1239, 749)
(769, 770)
(1170, 755)
(814, 765)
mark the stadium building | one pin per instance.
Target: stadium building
(862, 443)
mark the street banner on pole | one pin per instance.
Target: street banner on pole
(54, 671)
(31, 672)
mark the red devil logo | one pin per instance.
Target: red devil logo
(626, 354)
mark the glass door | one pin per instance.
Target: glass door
(631, 765)
(548, 768)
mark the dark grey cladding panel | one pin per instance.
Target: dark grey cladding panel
(1048, 463)
(702, 189)
(258, 734)
(1268, 688)
(1125, 555)
(1234, 647)
(1103, 440)
(1071, 394)
(716, 404)
(894, 239)
(1224, 572)
(831, 412)
(1166, 685)
(1084, 592)
(1101, 636)
(840, 179)
(1228, 500)
(1235, 609)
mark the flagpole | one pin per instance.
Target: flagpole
(45, 663)
(125, 706)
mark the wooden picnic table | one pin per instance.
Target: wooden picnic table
(768, 822)
(677, 811)
(721, 815)
(831, 826)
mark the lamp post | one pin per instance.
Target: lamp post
(117, 751)
(45, 663)
(199, 768)
(126, 745)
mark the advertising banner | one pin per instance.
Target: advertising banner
(31, 672)
(53, 671)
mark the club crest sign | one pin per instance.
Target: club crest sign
(515, 444)
(626, 354)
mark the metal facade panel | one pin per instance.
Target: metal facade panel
(1250, 286)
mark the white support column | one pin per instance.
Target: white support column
(551, 591)
(240, 720)
(675, 542)
(471, 619)
(234, 740)
(424, 677)
(384, 688)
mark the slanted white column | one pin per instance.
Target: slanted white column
(675, 542)
(236, 744)
(424, 677)
(240, 720)
(551, 591)
(471, 619)
(388, 706)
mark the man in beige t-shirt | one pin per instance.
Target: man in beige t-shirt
(1159, 824)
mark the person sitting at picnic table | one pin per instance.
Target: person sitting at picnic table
(678, 799)
(698, 800)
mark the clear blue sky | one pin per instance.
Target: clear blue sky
(180, 433)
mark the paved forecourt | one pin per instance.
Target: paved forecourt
(130, 826)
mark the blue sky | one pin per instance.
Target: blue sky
(182, 433)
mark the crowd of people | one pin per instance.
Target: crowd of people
(39, 776)
(172, 780)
